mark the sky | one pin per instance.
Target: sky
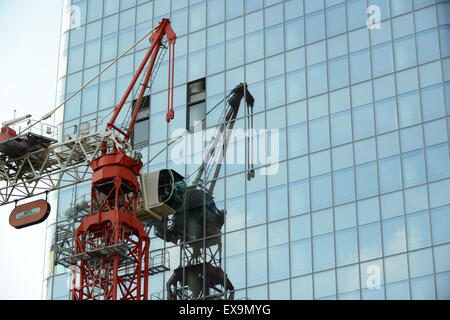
(29, 48)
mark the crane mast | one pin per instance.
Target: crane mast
(111, 244)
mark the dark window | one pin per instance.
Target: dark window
(196, 106)
(140, 136)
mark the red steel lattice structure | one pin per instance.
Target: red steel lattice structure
(111, 245)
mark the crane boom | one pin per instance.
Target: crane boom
(234, 100)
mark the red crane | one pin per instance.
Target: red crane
(111, 245)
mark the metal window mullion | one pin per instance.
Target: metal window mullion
(309, 157)
(287, 154)
(425, 150)
(330, 153)
(401, 157)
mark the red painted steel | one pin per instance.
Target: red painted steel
(111, 245)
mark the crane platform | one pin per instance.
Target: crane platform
(31, 165)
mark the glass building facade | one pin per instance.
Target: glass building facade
(360, 205)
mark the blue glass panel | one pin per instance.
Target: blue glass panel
(320, 192)
(252, 5)
(416, 199)
(234, 9)
(109, 47)
(234, 269)
(392, 205)
(197, 16)
(400, 6)
(438, 162)
(402, 26)
(275, 86)
(390, 174)
(440, 220)
(295, 85)
(366, 180)
(348, 281)
(335, 23)
(274, 43)
(427, 45)
(394, 240)
(346, 247)
(402, 52)
(256, 208)
(423, 288)
(196, 65)
(360, 66)
(362, 94)
(420, 263)
(127, 19)
(425, 19)
(445, 45)
(302, 288)
(254, 46)
(318, 107)
(344, 186)
(409, 109)
(382, 60)
(322, 222)
(216, 58)
(345, 216)
(363, 122)
(294, 33)
(280, 290)
(319, 134)
(414, 168)
(365, 151)
(75, 59)
(315, 26)
(370, 241)
(110, 7)
(317, 79)
(106, 96)
(398, 291)
(341, 128)
(342, 157)
(338, 72)
(293, 9)
(383, 34)
(89, 103)
(301, 257)
(278, 262)
(368, 211)
(235, 52)
(323, 252)
(299, 197)
(277, 202)
(335, 47)
(407, 81)
(433, 102)
(386, 115)
(418, 229)
(72, 108)
(435, 132)
(256, 267)
(235, 218)
(95, 9)
(325, 285)
(411, 138)
(179, 21)
(388, 145)
(356, 13)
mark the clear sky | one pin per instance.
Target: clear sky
(29, 46)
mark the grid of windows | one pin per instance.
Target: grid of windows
(364, 173)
